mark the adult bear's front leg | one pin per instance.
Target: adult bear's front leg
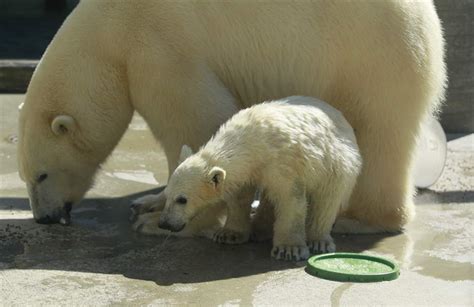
(187, 114)
(236, 229)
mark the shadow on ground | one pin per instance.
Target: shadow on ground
(427, 196)
(100, 240)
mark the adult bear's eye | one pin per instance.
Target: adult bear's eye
(181, 200)
(42, 178)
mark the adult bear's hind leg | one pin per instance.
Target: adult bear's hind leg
(382, 199)
(390, 103)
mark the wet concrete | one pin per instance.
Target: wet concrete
(99, 260)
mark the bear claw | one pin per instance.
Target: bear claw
(227, 236)
(134, 213)
(290, 253)
(322, 246)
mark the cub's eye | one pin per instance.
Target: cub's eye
(42, 178)
(181, 200)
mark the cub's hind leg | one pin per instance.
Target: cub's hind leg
(289, 236)
(324, 207)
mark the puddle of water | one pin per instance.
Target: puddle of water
(337, 294)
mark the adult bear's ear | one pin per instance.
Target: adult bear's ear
(62, 124)
(186, 152)
(216, 176)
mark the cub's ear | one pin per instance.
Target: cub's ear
(186, 152)
(216, 176)
(62, 124)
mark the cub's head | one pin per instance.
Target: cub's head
(192, 187)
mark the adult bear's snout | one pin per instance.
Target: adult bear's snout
(62, 217)
(48, 219)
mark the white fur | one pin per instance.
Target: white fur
(187, 66)
(300, 151)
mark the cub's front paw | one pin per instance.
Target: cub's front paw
(146, 204)
(324, 245)
(227, 236)
(147, 223)
(290, 253)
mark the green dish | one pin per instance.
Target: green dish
(352, 267)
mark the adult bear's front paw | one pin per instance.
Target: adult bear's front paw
(290, 252)
(227, 236)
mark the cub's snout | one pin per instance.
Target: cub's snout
(174, 227)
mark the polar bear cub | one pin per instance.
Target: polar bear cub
(299, 151)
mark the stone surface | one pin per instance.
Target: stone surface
(99, 260)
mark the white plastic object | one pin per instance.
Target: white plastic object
(430, 156)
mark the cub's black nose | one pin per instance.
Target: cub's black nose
(164, 225)
(168, 226)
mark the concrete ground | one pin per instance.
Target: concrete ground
(99, 260)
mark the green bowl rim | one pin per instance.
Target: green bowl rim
(313, 269)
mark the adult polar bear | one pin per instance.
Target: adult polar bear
(188, 66)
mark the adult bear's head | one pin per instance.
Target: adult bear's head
(75, 111)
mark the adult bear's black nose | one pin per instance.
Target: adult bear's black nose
(62, 216)
(48, 219)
